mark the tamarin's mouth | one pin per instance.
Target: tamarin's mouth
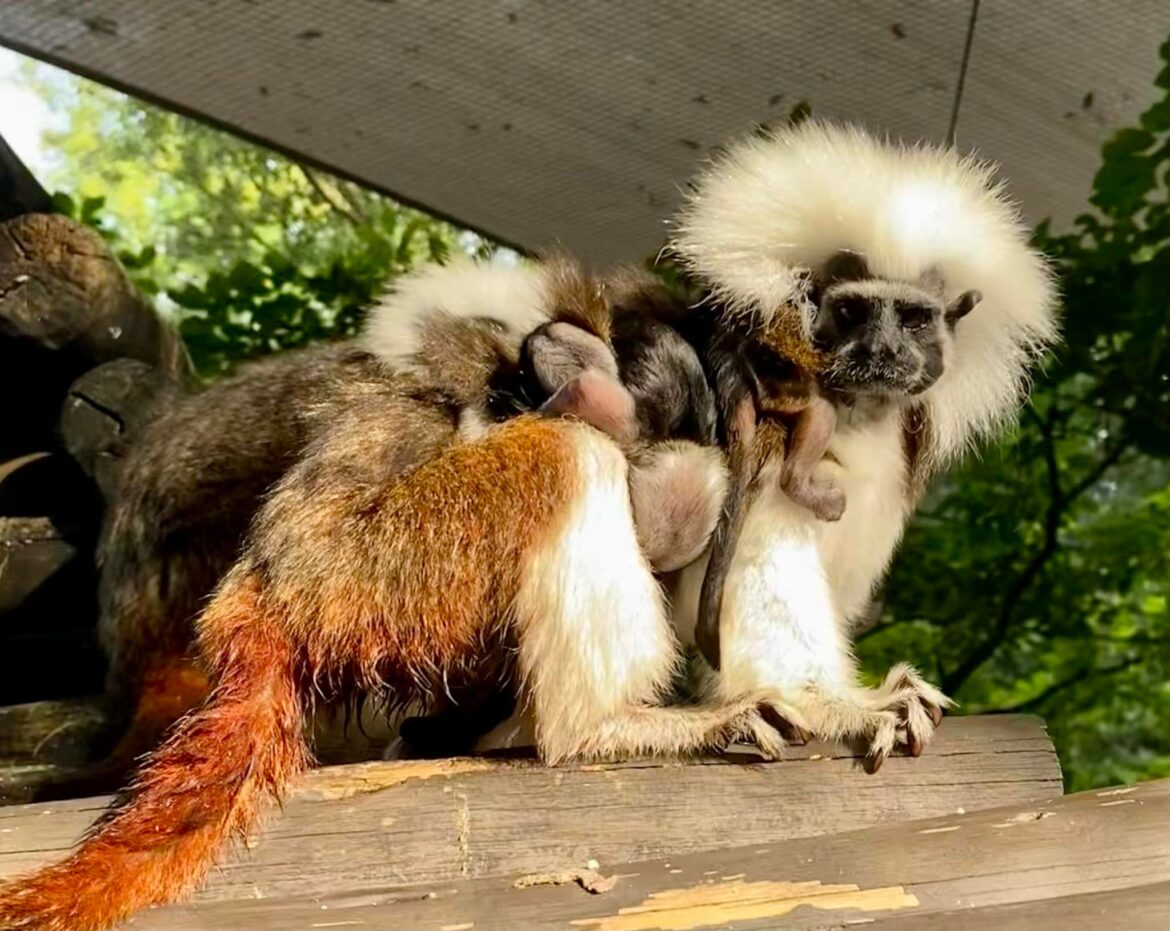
(864, 378)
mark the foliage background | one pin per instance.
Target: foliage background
(1033, 579)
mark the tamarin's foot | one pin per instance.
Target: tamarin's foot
(917, 709)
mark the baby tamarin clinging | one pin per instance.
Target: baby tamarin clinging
(778, 388)
(643, 385)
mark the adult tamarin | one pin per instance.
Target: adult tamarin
(870, 338)
(375, 566)
(449, 338)
(758, 227)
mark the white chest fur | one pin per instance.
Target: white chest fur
(794, 581)
(857, 549)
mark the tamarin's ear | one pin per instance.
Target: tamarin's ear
(559, 352)
(963, 305)
(600, 400)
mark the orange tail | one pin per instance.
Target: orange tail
(206, 783)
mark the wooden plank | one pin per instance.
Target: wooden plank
(1144, 908)
(1098, 859)
(45, 744)
(375, 824)
(32, 551)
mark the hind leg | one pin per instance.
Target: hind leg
(781, 631)
(596, 650)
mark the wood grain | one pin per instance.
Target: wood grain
(1094, 860)
(370, 825)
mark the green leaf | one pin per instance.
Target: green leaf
(1127, 142)
(247, 278)
(64, 205)
(1157, 118)
(90, 208)
(437, 247)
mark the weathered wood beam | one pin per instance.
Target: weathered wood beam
(48, 731)
(46, 744)
(1079, 863)
(66, 306)
(366, 826)
(20, 192)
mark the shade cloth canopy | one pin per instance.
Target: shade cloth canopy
(539, 121)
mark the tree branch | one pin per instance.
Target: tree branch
(344, 209)
(1056, 688)
(1059, 502)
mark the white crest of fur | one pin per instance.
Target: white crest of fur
(512, 294)
(774, 207)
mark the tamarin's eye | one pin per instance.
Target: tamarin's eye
(851, 311)
(914, 316)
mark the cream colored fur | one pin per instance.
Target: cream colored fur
(768, 212)
(515, 295)
(677, 489)
(596, 650)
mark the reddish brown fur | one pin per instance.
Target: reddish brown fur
(577, 297)
(366, 576)
(203, 785)
(356, 586)
(784, 334)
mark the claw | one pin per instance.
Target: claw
(792, 733)
(914, 743)
(874, 761)
(935, 712)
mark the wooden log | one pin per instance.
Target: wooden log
(1080, 863)
(49, 512)
(49, 731)
(103, 412)
(51, 486)
(48, 522)
(48, 604)
(46, 744)
(32, 551)
(66, 306)
(370, 825)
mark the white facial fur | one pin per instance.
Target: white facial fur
(774, 208)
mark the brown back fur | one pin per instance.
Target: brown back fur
(351, 580)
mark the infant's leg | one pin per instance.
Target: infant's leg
(809, 441)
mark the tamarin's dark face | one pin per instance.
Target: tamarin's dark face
(880, 336)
